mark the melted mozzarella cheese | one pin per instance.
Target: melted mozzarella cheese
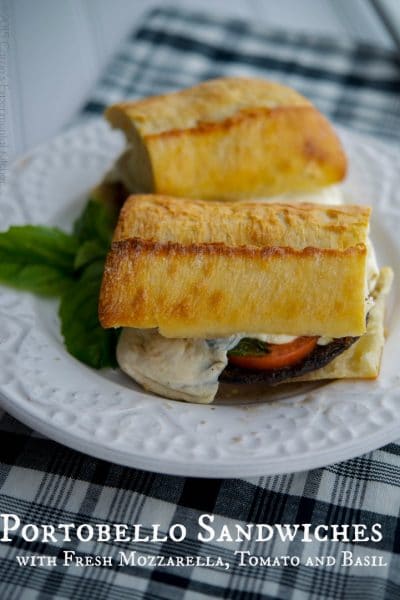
(269, 338)
(330, 195)
(183, 369)
(372, 267)
(281, 339)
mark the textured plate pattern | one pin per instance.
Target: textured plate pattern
(245, 433)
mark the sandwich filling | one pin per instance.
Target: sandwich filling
(330, 195)
(190, 369)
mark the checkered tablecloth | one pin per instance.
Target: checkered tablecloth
(45, 483)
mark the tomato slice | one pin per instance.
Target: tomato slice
(278, 355)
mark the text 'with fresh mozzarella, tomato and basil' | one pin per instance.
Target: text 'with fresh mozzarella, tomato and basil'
(243, 292)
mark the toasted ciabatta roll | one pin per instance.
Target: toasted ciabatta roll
(214, 290)
(228, 138)
(167, 219)
(189, 279)
(362, 359)
(207, 270)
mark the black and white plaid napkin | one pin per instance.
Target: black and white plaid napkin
(45, 483)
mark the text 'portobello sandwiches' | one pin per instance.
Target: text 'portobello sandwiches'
(239, 291)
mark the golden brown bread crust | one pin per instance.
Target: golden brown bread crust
(210, 101)
(363, 359)
(214, 290)
(228, 139)
(168, 219)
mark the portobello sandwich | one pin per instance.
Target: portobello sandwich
(227, 139)
(209, 291)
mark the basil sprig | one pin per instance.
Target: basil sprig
(52, 263)
(249, 347)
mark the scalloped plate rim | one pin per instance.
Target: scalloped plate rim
(259, 465)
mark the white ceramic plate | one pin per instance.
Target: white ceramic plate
(105, 414)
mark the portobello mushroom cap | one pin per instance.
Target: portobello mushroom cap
(318, 358)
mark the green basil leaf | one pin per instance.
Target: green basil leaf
(37, 259)
(83, 335)
(97, 222)
(35, 244)
(249, 347)
(47, 261)
(88, 252)
(39, 279)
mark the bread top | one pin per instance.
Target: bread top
(251, 223)
(227, 139)
(210, 269)
(208, 102)
(213, 290)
